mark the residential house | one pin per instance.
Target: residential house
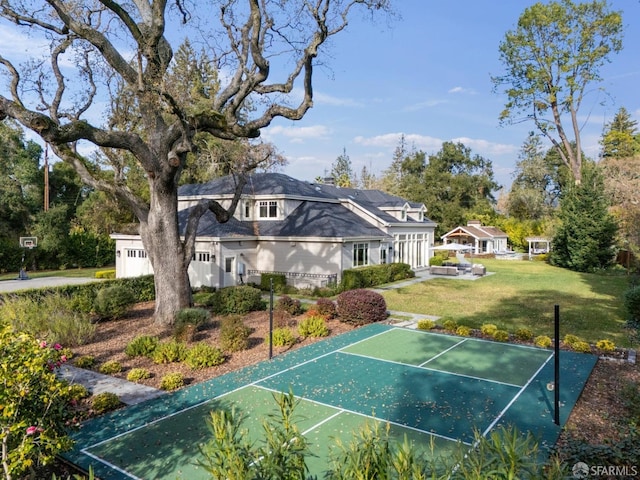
(309, 232)
(482, 239)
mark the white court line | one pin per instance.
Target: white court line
(111, 465)
(369, 417)
(443, 352)
(419, 367)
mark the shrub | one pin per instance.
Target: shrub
(524, 334)
(501, 336)
(581, 346)
(571, 340)
(234, 334)
(632, 305)
(326, 307)
(33, 401)
(203, 355)
(282, 337)
(313, 326)
(488, 329)
(77, 391)
(450, 325)
(110, 274)
(605, 345)
(86, 361)
(360, 307)
(542, 341)
(137, 374)
(110, 367)
(189, 321)
(463, 331)
(169, 352)
(279, 282)
(426, 324)
(242, 299)
(289, 305)
(113, 301)
(141, 346)
(172, 381)
(105, 402)
(363, 277)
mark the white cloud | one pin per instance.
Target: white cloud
(468, 91)
(422, 105)
(391, 140)
(296, 134)
(485, 147)
(325, 99)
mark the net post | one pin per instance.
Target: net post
(556, 366)
(270, 318)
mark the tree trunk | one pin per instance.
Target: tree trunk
(166, 253)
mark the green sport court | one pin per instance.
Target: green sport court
(432, 388)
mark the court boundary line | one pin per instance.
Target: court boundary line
(86, 450)
(444, 351)
(498, 382)
(367, 416)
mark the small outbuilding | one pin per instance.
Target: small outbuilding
(480, 238)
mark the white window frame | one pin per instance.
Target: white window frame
(271, 209)
(360, 256)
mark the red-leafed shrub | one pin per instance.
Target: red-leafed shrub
(326, 307)
(361, 306)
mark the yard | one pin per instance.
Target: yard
(523, 294)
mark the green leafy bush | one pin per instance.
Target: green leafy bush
(501, 336)
(33, 403)
(605, 345)
(203, 355)
(110, 367)
(426, 324)
(450, 325)
(570, 339)
(290, 305)
(234, 334)
(281, 337)
(142, 346)
(542, 341)
(279, 282)
(360, 307)
(105, 402)
(137, 374)
(86, 361)
(488, 329)
(242, 299)
(581, 346)
(110, 274)
(172, 381)
(326, 307)
(632, 305)
(371, 276)
(189, 321)
(313, 325)
(463, 331)
(169, 352)
(524, 334)
(113, 301)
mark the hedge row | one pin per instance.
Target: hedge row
(365, 277)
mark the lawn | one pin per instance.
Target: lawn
(523, 294)
(72, 272)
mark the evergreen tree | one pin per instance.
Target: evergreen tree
(584, 239)
(342, 172)
(621, 138)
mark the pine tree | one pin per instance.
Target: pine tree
(584, 240)
(620, 138)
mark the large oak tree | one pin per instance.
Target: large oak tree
(552, 60)
(106, 46)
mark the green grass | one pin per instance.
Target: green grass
(523, 294)
(74, 272)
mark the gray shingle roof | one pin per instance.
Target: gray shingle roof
(309, 219)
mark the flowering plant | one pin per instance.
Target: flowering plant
(33, 402)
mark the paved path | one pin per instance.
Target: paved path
(40, 282)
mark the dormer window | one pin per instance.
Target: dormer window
(268, 209)
(247, 209)
(420, 216)
(403, 215)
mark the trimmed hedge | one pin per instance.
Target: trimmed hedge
(632, 306)
(361, 306)
(279, 282)
(241, 299)
(371, 276)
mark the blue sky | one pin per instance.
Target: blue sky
(427, 76)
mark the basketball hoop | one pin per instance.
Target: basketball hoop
(29, 242)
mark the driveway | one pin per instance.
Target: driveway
(14, 285)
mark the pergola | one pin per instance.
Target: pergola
(535, 245)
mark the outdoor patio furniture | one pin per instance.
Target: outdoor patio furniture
(442, 270)
(479, 270)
